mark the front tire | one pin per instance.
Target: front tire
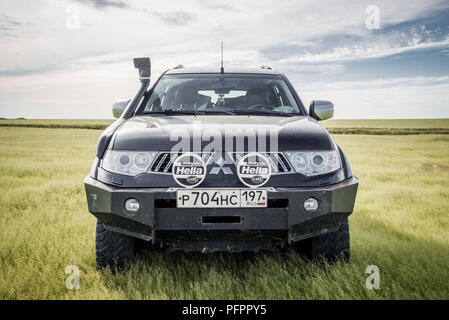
(329, 246)
(111, 248)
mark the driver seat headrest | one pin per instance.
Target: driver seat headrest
(186, 95)
(255, 96)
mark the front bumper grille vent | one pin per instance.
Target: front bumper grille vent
(164, 161)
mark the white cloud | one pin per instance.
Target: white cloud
(388, 45)
(415, 97)
(253, 26)
(377, 83)
(51, 71)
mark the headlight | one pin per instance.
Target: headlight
(129, 163)
(312, 163)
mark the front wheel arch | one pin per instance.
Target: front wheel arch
(345, 163)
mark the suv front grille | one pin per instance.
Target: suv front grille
(164, 161)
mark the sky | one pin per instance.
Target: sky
(373, 59)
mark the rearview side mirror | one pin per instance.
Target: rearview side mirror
(118, 107)
(321, 110)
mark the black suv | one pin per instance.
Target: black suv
(219, 160)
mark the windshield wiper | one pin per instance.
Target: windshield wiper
(232, 113)
(219, 112)
(267, 113)
(172, 111)
(194, 112)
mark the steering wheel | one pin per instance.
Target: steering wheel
(261, 106)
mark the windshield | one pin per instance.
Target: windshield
(222, 93)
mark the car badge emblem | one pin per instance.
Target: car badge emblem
(221, 167)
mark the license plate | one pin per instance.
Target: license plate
(221, 198)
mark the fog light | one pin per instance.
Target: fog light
(132, 205)
(311, 204)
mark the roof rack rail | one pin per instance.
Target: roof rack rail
(264, 66)
(179, 66)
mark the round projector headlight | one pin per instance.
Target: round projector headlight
(141, 160)
(129, 163)
(318, 160)
(300, 160)
(312, 163)
(124, 160)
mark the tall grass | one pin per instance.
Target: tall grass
(374, 127)
(400, 224)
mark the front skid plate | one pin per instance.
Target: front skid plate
(211, 246)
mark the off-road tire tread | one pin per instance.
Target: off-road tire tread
(329, 246)
(111, 248)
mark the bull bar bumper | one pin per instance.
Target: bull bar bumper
(284, 213)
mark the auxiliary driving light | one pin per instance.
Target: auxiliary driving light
(311, 204)
(132, 205)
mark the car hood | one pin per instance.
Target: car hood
(163, 132)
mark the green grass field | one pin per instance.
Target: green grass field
(400, 224)
(338, 123)
(375, 127)
(387, 123)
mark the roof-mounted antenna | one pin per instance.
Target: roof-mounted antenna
(222, 69)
